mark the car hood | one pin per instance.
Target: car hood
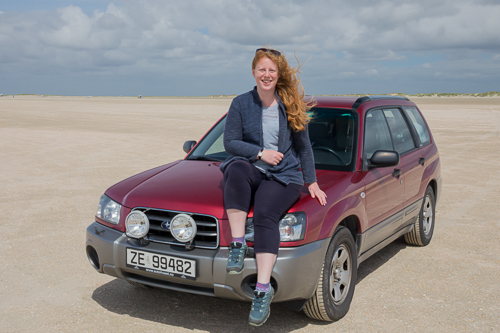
(185, 186)
(197, 187)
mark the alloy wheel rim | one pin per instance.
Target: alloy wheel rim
(427, 216)
(340, 276)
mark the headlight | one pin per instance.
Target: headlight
(137, 224)
(183, 228)
(108, 210)
(292, 228)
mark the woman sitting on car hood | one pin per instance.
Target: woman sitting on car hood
(266, 134)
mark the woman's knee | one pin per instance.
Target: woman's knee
(237, 169)
(267, 218)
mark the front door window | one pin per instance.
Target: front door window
(377, 135)
(384, 190)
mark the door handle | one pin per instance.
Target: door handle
(397, 172)
(421, 161)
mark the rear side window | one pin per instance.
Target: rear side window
(401, 135)
(419, 124)
(377, 135)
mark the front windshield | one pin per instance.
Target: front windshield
(332, 133)
(211, 148)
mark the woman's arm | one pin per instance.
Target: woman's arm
(316, 192)
(233, 135)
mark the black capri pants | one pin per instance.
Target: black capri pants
(246, 186)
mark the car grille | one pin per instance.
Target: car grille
(207, 234)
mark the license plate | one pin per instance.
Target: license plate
(161, 264)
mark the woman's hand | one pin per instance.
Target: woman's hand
(272, 157)
(316, 192)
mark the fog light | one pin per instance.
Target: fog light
(137, 224)
(183, 228)
(93, 257)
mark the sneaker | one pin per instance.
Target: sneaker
(236, 257)
(260, 307)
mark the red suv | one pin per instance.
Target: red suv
(375, 159)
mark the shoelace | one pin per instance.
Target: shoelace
(235, 254)
(259, 302)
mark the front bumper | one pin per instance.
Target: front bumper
(295, 274)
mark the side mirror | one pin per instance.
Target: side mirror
(383, 158)
(188, 145)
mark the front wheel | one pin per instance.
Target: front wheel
(333, 296)
(423, 228)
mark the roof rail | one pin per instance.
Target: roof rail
(365, 99)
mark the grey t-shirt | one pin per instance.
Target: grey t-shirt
(270, 133)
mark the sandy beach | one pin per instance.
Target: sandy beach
(59, 154)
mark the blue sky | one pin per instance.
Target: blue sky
(200, 48)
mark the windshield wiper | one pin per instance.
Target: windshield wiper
(204, 158)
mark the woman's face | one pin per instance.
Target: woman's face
(266, 74)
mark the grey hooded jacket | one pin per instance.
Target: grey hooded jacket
(243, 139)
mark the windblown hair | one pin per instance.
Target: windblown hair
(289, 89)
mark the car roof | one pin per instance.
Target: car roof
(351, 102)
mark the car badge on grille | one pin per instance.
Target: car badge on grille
(165, 225)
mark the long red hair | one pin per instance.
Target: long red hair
(289, 89)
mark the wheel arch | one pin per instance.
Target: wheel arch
(349, 212)
(433, 184)
(351, 222)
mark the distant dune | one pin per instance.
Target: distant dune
(485, 94)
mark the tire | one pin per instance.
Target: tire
(139, 285)
(423, 229)
(333, 295)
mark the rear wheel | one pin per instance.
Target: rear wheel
(423, 229)
(333, 296)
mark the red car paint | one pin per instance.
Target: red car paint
(197, 186)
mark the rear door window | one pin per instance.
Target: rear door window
(419, 124)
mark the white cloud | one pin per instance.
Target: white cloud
(372, 72)
(347, 74)
(157, 37)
